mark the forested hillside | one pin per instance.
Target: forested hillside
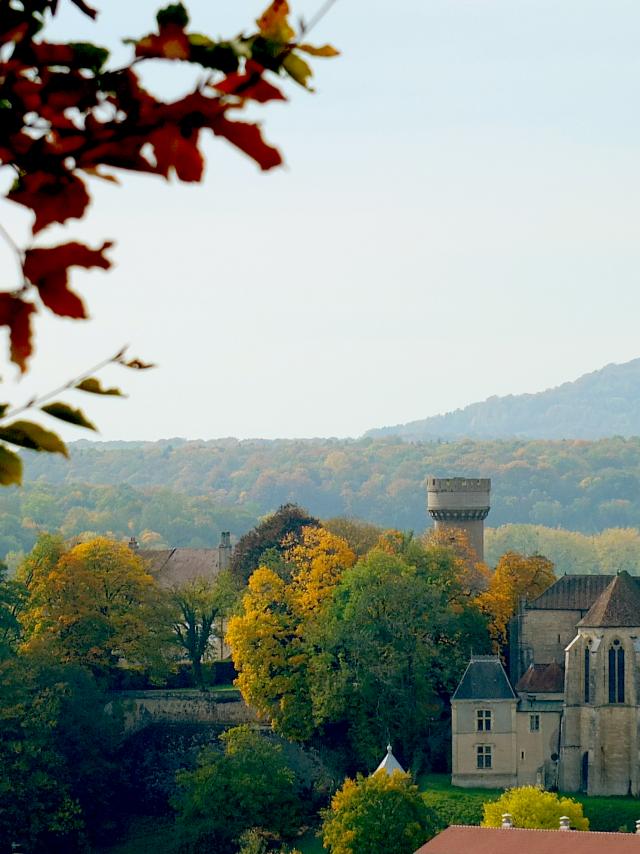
(186, 492)
(599, 404)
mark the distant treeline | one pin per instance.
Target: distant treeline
(571, 552)
(577, 485)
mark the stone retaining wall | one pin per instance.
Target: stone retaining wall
(142, 708)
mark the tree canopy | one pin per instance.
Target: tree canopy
(380, 814)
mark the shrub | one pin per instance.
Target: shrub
(532, 807)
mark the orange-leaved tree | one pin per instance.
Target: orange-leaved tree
(67, 117)
(516, 576)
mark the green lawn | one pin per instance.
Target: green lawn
(454, 805)
(309, 844)
(145, 835)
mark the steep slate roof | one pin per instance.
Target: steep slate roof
(389, 764)
(572, 593)
(542, 679)
(174, 567)
(617, 605)
(484, 679)
(496, 840)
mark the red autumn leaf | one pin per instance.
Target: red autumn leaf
(47, 53)
(250, 84)
(53, 198)
(16, 314)
(48, 270)
(248, 138)
(171, 43)
(176, 152)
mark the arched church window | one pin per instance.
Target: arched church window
(616, 672)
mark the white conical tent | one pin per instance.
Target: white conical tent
(389, 764)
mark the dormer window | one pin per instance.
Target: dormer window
(616, 672)
(483, 720)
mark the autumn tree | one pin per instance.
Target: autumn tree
(473, 575)
(361, 536)
(12, 598)
(69, 118)
(199, 608)
(278, 532)
(97, 606)
(529, 806)
(269, 637)
(515, 577)
(246, 784)
(380, 814)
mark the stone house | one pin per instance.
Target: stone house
(569, 715)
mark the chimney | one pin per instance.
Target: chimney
(507, 821)
(565, 822)
(133, 544)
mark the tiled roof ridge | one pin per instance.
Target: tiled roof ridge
(544, 830)
(618, 604)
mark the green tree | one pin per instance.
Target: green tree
(200, 607)
(12, 598)
(380, 814)
(529, 806)
(247, 784)
(392, 646)
(57, 754)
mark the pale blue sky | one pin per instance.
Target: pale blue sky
(458, 218)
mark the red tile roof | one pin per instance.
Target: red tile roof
(495, 840)
(542, 679)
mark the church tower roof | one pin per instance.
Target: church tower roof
(618, 605)
(389, 764)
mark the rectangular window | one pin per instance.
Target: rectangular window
(483, 756)
(483, 720)
(534, 723)
(587, 670)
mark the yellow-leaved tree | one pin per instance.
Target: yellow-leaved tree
(529, 806)
(515, 577)
(472, 575)
(96, 605)
(269, 638)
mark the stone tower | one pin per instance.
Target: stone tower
(460, 503)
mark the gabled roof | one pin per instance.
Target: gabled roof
(389, 764)
(571, 593)
(175, 567)
(496, 840)
(617, 605)
(542, 679)
(484, 679)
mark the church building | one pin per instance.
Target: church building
(568, 713)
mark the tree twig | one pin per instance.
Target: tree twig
(319, 15)
(15, 249)
(38, 401)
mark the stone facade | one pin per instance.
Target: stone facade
(574, 719)
(141, 708)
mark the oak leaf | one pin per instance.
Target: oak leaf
(52, 197)
(10, 467)
(248, 138)
(176, 152)
(274, 24)
(64, 412)
(16, 314)
(48, 270)
(26, 434)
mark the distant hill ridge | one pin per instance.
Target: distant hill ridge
(596, 405)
